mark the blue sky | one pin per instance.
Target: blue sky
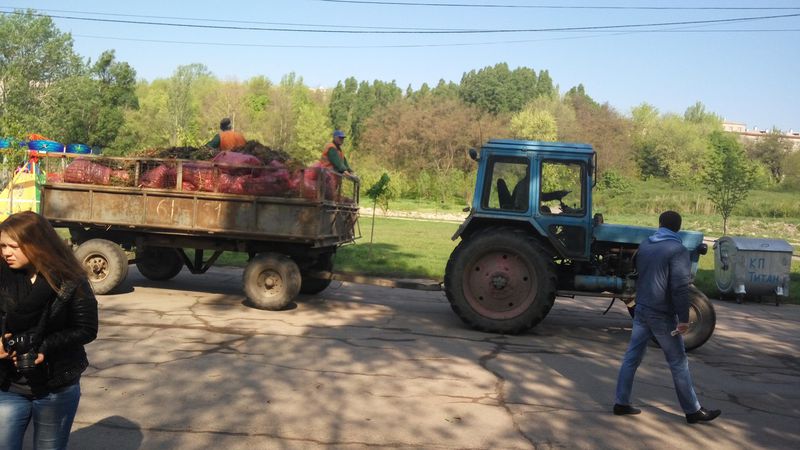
(744, 76)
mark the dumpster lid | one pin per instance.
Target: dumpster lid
(759, 244)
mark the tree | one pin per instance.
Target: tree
(533, 124)
(149, 126)
(428, 142)
(669, 146)
(729, 176)
(446, 90)
(498, 90)
(772, 150)
(342, 99)
(91, 107)
(34, 57)
(183, 104)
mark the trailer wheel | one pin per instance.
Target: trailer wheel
(271, 281)
(105, 263)
(702, 319)
(158, 263)
(500, 280)
(311, 286)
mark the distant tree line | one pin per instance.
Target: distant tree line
(419, 137)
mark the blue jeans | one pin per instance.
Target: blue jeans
(647, 324)
(52, 418)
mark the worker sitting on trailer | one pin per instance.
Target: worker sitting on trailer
(227, 138)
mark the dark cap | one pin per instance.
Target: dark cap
(225, 124)
(338, 133)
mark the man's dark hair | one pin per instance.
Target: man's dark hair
(670, 220)
(225, 124)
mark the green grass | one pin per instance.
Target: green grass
(403, 248)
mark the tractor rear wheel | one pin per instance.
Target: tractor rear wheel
(500, 280)
(702, 319)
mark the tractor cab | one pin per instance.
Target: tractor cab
(546, 184)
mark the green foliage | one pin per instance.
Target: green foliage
(379, 192)
(380, 188)
(499, 90)
(93, 105)
(729, 176)
(577, 94)
(669, 146)
(311, 132)
(34, 57)
(536, 125)
(614, 184)
(792, 171)
(352, 106)
(772, 151)
(342, 100)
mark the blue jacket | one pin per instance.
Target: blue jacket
(664, 274)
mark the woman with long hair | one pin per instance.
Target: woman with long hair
(49, 313)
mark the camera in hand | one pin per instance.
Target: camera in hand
(26, 353)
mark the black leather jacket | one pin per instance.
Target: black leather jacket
(71, 323)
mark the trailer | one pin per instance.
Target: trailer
(164, 214)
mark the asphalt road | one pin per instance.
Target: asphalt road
(185, 364)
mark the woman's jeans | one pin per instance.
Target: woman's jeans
(646, 324)
(52, 418)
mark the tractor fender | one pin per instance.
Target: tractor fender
(476, 221)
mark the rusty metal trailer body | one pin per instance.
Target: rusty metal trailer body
(287, 236)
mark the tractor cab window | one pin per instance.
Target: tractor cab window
(508, 184)
(561, 188)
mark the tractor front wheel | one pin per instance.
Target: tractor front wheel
(500, 280)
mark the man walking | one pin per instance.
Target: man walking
(662, 296)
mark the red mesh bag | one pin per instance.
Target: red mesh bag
(236, 159)
(121, 176)
(201, 176)
(159, 177)
(231, 184)
(87, 172)
(331, 186)
(305, 182)
(53, 177)
(274, 184)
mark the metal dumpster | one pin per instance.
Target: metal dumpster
(752, 267)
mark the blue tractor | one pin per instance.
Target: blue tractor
(531, 235)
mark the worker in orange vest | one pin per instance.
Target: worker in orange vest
(227, 138)
(333, 157)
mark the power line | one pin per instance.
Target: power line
(406, 32)
(459, 44)
(469, 5)
(196, 19)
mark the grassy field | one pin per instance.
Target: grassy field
(420, 249)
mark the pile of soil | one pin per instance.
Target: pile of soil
(264, 153)
(201, 154)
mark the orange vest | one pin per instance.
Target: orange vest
(326, 163)
(229, 140)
